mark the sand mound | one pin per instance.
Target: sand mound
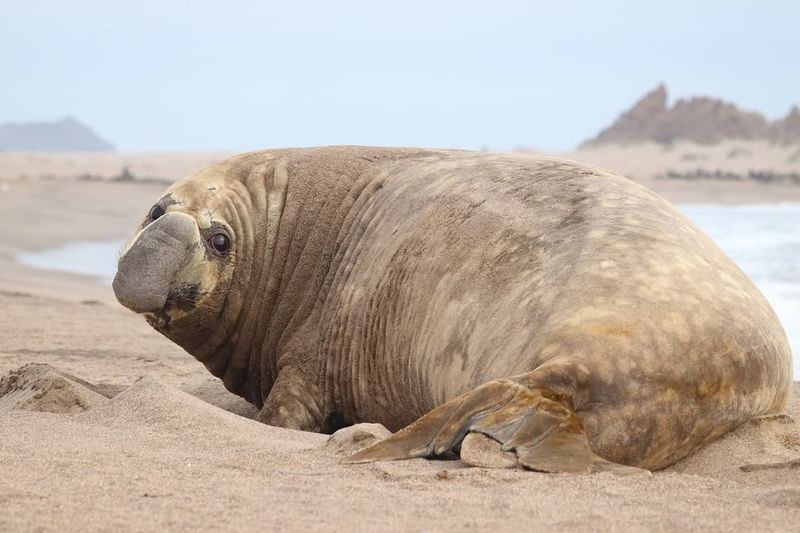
(150, 403)
(212, 391)
(40, 387)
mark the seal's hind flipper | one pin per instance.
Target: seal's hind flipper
(558, 451)
(414, 440)
(545, 434)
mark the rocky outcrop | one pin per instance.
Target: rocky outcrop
(787, 129)
(645, 120)
(707, 120)
(700, 119)
(65, 135)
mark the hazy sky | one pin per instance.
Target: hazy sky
(166, 75)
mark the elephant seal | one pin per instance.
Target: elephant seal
(566, 313)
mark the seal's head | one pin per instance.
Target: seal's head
(201, 257)
(181, 258)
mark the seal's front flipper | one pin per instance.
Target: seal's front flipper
(545, 434)
(292, 403)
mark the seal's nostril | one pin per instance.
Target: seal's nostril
(138, 297)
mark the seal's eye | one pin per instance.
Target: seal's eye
(220, 243)
(156, 212)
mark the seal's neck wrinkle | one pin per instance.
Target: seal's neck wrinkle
(319, 192)
(232, 349)
(262, 373)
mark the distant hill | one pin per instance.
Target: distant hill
(700, 119)
(65, 135)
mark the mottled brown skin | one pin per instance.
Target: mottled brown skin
(374, 285)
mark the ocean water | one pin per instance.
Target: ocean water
(764, 240)
(93, 258)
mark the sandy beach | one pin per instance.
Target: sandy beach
(106, 425)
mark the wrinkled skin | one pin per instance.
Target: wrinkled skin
(570, 315)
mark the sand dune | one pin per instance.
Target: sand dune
(115, 428)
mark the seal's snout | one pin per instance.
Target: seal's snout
(146, 272)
